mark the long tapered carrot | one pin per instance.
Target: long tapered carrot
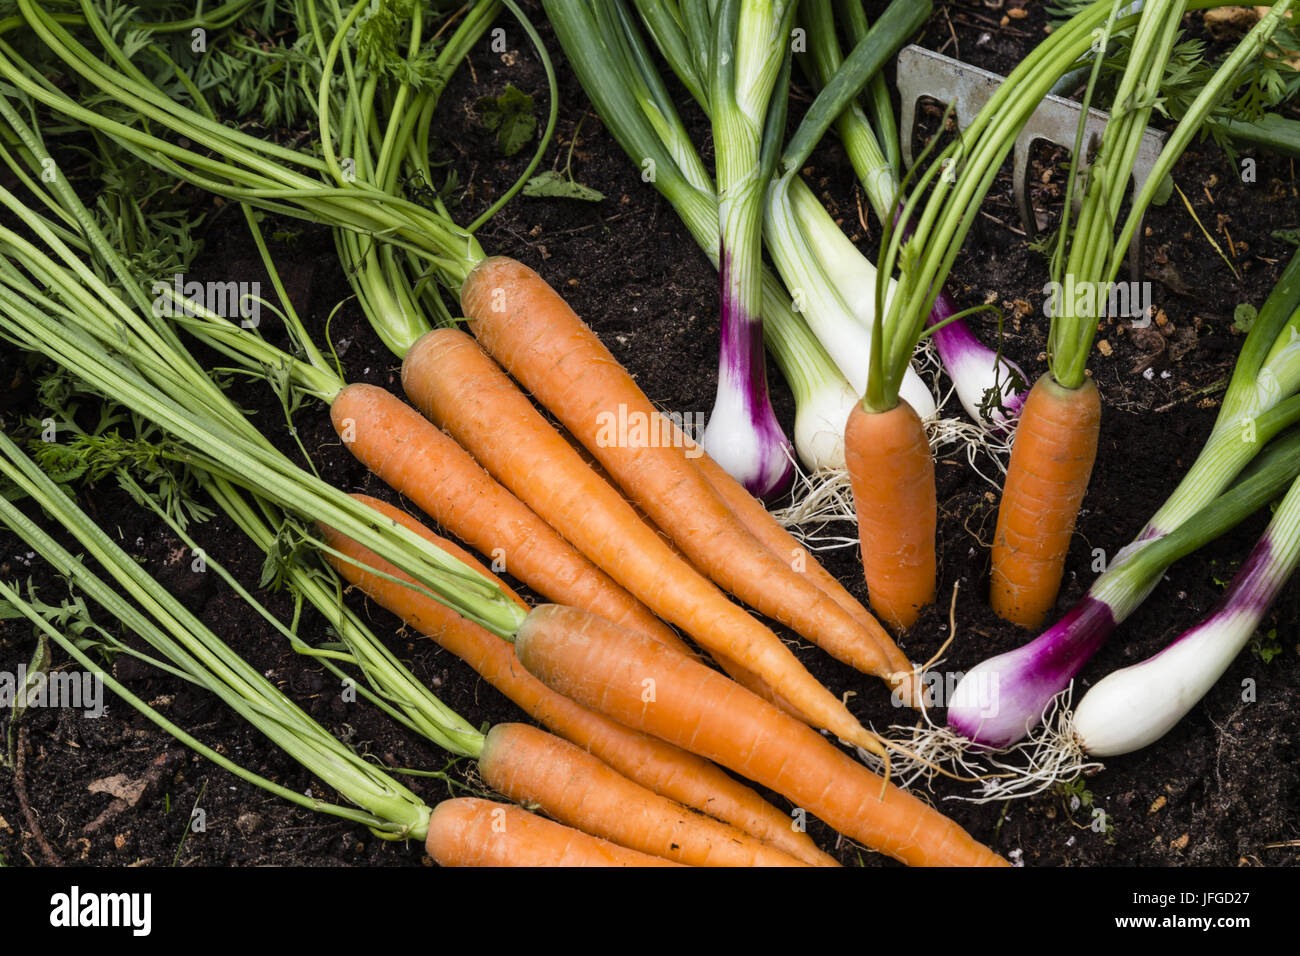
(636, 682)
(892, 475)
(447, 375)
(534, 334)
(769, 533)
(656, 765)
(739, 674)
(531, 766)
(413, 457)
(467, 831)
(1051, 462)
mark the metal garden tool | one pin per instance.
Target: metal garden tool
(966, 88)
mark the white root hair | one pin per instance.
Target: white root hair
(1048, 757)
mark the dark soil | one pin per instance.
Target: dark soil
(1222, 788)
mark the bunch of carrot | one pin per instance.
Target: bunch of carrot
(637, 676)
(642, 535)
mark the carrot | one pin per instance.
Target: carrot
(401, 447)
(413, 457)
(892, 474)
(634, 681)
(657, 766)
(769, 533)
(530, 330)
(740, 675)
(532, 767)
(1047, 477)
(468, 831)
(462, 390)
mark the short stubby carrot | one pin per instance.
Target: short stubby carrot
(467, 831)
(413, 457)
(539, 340)
(1051, 463)
(658, 766)
(447, 375)
(892, 475)
(631, 679)
(571, 786)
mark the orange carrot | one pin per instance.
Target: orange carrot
(636, 682)
(1047, 477)
(657, 766)
(892, 474)
(537, 338)
(532, 767)
(461, 389)
(739, 674)
(467, 831)
(418, 460)
(413, 457)
(769, 533)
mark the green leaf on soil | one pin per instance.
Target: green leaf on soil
(1266, 646)
(1244, 316)
(62, 463)
(511, 117)
(553, 184)
(1164, 190)
(1288, 235)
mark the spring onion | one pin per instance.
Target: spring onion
(609, 55)
(1260, 403)
(1135, 706)
(988, 385)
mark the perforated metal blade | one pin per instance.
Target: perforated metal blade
(924, 74)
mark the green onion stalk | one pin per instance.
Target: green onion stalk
(747, 61)
(834, 280)
(989, 386)
(607, 52)
(827, 279)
